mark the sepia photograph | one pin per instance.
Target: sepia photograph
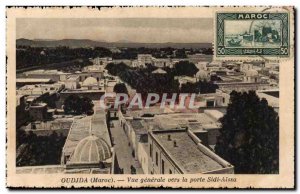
(146, 96)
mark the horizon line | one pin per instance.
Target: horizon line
(118, 41)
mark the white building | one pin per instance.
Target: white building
(252, 76)
(72, 82)
(244, 67)
(162, 62)
(144, 59)
(202, 65)
(102, 61)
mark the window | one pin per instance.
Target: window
(162, 167)
(210, 103)
(170, 171)
(156, 159)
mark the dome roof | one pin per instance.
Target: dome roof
(251, 73)
(201, 74)
(91, 149)
(89, 81)
(159, 71)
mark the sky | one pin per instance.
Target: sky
(245, 26)
(145, 30)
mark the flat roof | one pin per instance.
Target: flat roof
(173, 120)
(43, 71)
(39, 89)
(38, 105)
(32, 80)
(140, 112)
(215, 114)
(47, 125)
(82, 91)
(270, 96)
(187, 155)
(240, 83)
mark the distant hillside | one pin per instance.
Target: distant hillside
(75, 43)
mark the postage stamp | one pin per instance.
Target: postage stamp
(252, 34)
(133, 97)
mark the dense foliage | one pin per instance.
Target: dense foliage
(77, 105)
(116, 69)
(144, 81)
(35, 150)
(28, 56)
(202, 87)
(120, 88)
(38, 56)
(249, 136)
(185, 68)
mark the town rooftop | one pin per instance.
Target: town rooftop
(190, 157)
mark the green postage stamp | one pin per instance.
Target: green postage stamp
(252, 34)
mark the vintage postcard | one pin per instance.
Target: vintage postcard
(147, 97)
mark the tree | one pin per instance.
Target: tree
(120, 88)
(116, 69)
(207, 87)
(21, 137)
(39, 150)
(203, 87)
(71, 104)
(74, 104)
(249, 137)
(185, 68)
(180, 53)
(87, 106)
